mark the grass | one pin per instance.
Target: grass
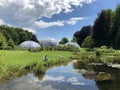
(105, 55)
(24, 57)
(16, 62)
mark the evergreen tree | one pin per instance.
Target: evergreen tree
(115, 32)
(102, 28)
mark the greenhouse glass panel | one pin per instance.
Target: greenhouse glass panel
(73, 44)
(48, 42)
(29, 44)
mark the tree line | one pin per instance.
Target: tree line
(104, 32)
(11, 36)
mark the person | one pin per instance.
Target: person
(45, 58)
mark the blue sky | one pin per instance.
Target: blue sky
(89, 11)
(52, 18)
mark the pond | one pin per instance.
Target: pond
(63, 78)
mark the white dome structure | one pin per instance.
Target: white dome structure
(72, 44)
(29, 44)
(48, 42)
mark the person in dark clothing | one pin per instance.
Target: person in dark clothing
(45, 58)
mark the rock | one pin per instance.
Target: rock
(103, 76)
(89, 74)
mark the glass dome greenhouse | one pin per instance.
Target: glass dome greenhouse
(72, 44)
(29, 44)
(48, 42)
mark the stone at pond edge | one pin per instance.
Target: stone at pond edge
(103, 76)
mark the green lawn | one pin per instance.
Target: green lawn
(24, 57)
(16, 60)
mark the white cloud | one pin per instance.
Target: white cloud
(73, 21)
(27, 83)
(42, 24)
(25, 12)
(74, 81)
(29, 29)
(51, 78)
(2, 22)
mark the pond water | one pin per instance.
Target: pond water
(58, 78)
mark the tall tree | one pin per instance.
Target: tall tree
(83, 33)
(102, 27)
(115, 32)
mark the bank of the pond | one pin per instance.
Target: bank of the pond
(15, 63)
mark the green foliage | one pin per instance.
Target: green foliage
(11, 43)
(83, 33)
(62, 48)
(34, 49)
(15, 62)
(14, 36)
(116, 24)
(63, 40)
(74, 39)
(3, 43)
(103, 47)
(3, 64)
(98, 54)
(102, 27)
(88, 42)
(71, 48)
(104, 32)
(49, 48)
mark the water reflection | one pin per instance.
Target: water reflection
(57, 78)
(78, 75)
(28, 82)
(64, 78)
(90, 71)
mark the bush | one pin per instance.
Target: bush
(72, 48)
(88, 42)
(34, 49)
(62, 48)
(98, 54)
(103, 47)
(116, 59)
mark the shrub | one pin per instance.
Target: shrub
(88, 42)
(98, 54)
(103, 47)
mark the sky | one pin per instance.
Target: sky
(52, 18)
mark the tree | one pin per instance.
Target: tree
(34, 38)
(88, 42)
(11, 43)
(63, 40)
(3, 43)
(102, 28)
(18, 35)
(74, 39)
(115, 32)
(83, 33)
